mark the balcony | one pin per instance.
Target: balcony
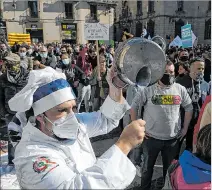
(64, 17)
(28, 16)
(111, 3)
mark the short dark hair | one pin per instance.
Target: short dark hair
(185, 65)
(22, 46)
(49, 45)
(91, 50)
(204, 144)
(63, 47)
(195, 60)
(169, 62)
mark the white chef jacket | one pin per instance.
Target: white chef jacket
(72, 163)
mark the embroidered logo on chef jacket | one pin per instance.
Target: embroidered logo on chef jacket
(44, 164)
(166, 100)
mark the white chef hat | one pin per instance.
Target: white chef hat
(46, 88)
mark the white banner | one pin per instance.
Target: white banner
(96, 31)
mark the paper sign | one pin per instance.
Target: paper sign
(186, 35)
(96, 31)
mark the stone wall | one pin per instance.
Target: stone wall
(166, 14)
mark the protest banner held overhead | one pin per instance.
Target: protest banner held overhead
(186, 35)
(96, 31)
(176, 42)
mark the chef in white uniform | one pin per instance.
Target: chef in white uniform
(55, 151)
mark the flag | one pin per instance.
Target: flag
(194, 38)
(176, 42)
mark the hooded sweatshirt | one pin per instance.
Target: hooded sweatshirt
(192, 173)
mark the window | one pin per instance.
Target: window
(178, 25)
(151, 5)
(125, 9)
(139, 7)
(33, 8)
(69, 10)
(208, 29)
(93, 10)
(151, 28)
(139, 29)
(180, 6)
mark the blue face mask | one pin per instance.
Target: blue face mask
(43, 55)
(65, 61)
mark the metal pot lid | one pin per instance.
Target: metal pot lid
(142, 61)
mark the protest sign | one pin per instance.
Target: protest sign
(96, 31)
(186, 35)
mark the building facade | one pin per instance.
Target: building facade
(56, 20)
(164, 18)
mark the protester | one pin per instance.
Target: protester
(193, 171)
(161, 103)
(53, 156)
(45, 59)
(183, 57)
(197, 89)
(11, 82)
(26, 62)
(203, 119)
(183, 70)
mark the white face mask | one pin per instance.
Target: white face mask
(66, 127)
(22, 54)
(43, 55)
(65, 61)
(30, 51)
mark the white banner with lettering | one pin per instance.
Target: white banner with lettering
(96, 31)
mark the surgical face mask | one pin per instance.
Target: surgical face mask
(167, 79)
(65, 61)
(76, 49)
(66, 127)
(43, 55)
(184, 58)
(30, 51)
(199, 77)
(23, 54)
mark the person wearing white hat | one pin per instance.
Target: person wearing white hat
(55, 151)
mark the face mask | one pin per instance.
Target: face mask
(65, 127)
(30, 51)
(22, 54)
(65, 61)
(167, 79)
(43, 55)
(184, 58)
(76, 50)
(199, 77)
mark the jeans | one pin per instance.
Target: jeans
(151, 148)
(84, 93)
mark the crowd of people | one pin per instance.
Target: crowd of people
(173, 109)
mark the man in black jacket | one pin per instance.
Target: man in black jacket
(11, 82)
(197, 89)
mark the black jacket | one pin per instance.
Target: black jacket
(8, 90)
